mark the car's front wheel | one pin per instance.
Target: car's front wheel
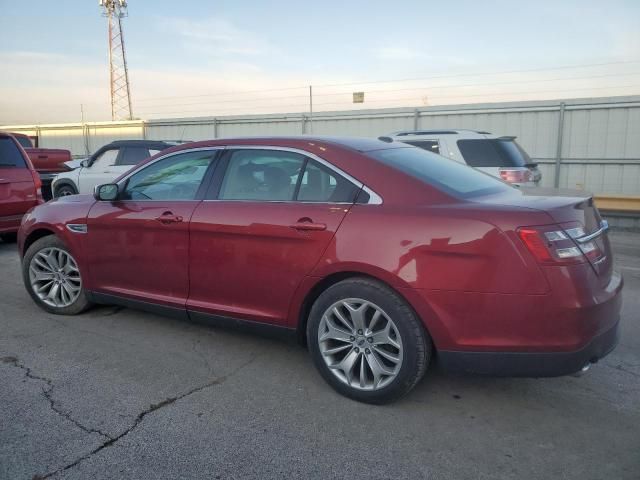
(64, 190)
(52, 277)
(367, 343)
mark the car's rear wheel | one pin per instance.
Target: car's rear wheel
(367, 343)
(64, 190)
(52, 277)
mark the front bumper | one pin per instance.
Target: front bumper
(531, 364)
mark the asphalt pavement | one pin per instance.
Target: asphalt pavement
(116, 393)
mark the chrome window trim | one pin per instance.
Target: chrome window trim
(374, 198)
(163, 157)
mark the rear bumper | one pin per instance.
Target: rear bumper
(47, 177)
(525, 364)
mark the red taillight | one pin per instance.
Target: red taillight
(552, 245)
(534, 243)
(37, 182)
(516, 176)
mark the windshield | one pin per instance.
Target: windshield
(446, 175)
(499, 152)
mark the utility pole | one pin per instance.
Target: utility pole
(115, 11)
(310, 109)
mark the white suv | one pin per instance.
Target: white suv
(105, 165)
(501, 157)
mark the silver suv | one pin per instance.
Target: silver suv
(499, 156)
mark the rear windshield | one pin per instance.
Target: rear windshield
(493, 153)
(446, 175)
(25, 142)
(10, 155)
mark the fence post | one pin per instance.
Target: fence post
(85, 136)
(416, 118)
(303, 123)
(556, 179)
(215, 128)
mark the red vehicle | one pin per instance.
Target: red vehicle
(19, 186)
(48, 162)
(378, 254)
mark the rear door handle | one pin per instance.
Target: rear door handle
(168, 217)
(306, 224)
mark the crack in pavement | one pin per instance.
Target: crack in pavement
(152, 408)
(48, 392)
(620, 368)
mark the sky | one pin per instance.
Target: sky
(219, 57)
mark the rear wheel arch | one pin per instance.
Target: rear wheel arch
(330, 280)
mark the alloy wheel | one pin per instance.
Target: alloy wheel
(360, 344)
(55, 277)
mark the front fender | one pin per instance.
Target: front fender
(53, 217)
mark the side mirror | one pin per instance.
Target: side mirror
(85, 163)
(106, 193)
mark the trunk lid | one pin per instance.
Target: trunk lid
(575, 212)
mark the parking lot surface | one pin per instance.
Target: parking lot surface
(117, 393)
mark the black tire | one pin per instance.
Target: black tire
(8, 237)
(416, 342)
(64, 190)
(80, 304)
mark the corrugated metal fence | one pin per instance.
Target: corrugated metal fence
(591, 144)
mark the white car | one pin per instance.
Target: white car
(105, 165)
(499, 156)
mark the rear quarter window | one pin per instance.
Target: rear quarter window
(10, 155)
(428, 145)
(25, 142)
(446, 175)
(483, 152)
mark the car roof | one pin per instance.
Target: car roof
(141, 143)
(461, 132)
(359, 144)
(15, 134)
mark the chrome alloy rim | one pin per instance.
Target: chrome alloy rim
(55, 277)
(360, 344)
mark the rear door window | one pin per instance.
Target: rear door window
(493, 153)
(267, 175)
(446, 175)
(428, 145)
(10, 155)
(133, 155)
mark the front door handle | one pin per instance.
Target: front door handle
(306, 224)
(167, 217)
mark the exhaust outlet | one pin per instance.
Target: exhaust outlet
(583, 370)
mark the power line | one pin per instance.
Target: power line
(430, 87)
(303, 106)
(469, 74)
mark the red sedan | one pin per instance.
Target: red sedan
(381, 256)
